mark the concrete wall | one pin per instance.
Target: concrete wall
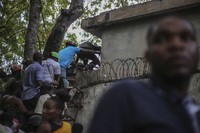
(89, 102)
(128, 40)
(131, 13)
(124, 41)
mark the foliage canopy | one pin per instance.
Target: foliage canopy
(14, 15)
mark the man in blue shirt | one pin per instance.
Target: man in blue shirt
(32, 80)
(161, 104)
(66, 57)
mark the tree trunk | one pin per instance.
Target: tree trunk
(32, 30)
(66, 18)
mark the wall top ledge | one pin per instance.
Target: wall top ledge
(94, 25)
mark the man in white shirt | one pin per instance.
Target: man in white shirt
(52, 69)
(51, 75)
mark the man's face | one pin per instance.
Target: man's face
(173, 49)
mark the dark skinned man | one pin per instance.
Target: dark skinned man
(161, 104)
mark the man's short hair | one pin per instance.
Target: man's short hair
(37, 56)
(70, 43)
(150, 31)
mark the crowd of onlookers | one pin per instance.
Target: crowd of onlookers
(35, 97)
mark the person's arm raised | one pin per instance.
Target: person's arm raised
(90, 51)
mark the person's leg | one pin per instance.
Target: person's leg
(63, 72)
(31, 103)
(64, 77)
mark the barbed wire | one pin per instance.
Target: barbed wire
(115, 70)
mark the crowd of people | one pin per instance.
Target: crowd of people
(35, 102)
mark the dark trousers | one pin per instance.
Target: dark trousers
(31, 103)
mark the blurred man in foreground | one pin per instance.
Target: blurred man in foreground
(161, 104)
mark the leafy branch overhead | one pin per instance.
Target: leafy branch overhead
(55, 21)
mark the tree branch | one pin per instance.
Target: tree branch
(66, 18)
(32, 30)
(11, 16)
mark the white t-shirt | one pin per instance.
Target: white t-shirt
(40, 103)
(51, 68)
